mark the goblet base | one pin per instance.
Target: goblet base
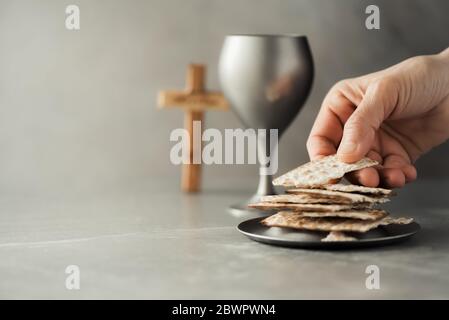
(241, 210)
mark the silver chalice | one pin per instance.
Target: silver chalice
(266, 79)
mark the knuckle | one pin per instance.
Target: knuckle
(341, 84)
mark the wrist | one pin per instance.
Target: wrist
(444, 54)
(443, 63)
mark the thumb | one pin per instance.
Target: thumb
(360, 128)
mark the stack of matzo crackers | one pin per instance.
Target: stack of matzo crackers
(313, 203)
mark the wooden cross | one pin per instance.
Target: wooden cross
(194, 100)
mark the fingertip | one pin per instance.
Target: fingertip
(410, 173)
(348, 157)
(350, 152)
(315, 156)
(318, 147)
(357, 138)
(393, 178)
(318, 156)
(368, 177)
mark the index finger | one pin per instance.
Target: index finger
(327, 129)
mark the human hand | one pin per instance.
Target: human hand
(392, 116)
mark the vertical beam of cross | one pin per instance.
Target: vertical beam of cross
(195, 100)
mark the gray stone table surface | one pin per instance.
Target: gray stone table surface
(151, 241)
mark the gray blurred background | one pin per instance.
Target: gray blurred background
(78, 108)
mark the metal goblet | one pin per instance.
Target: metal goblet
(266, 79)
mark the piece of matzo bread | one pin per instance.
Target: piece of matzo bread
(295, 220)
(304, 198)
(352, 188)
(320, 172)
(337, 236)
(362, 214)
(338, 196)
(305, 206)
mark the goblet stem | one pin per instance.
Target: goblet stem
(268, 166)
(267, 161)
(265, 186)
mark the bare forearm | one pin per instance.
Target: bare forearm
(442, 110)
(443, 59)
(444, 105)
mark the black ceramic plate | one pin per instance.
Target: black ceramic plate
(288, 237)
